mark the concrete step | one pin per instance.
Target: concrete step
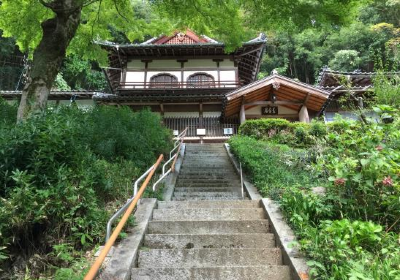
(197, 171)
(207, 195)
(208, 227)
(208, 189)
(210, 214)
(205, 166)
(209, 204)
(206, 177)
(208, 185)
(209, 257)
(267, 272)
(204, 198)
(206, 181)
(198, 241)
(205, 155)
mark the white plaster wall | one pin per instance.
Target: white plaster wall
(181, 114)
(167, 64)
(136, 64)
(200, 63)
(282, 110)
(152, 73)
(228, 76)
(134, 77)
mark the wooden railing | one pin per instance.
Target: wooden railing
(178, 85)
(128, 208)
(97, 264)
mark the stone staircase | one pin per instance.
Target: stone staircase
(209, 232)
(207, 174)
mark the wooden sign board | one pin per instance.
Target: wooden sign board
(269, 110)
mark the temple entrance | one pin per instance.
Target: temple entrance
(211, 127)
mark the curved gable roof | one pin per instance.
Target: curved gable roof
(293, 94)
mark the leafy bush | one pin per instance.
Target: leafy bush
(296, 134)
(305, 208)
(114, 133)
(349, 230)
(272, 166)
(357, 250)
(58, 182)
(8, 113)
(387, 90)
(263, 128)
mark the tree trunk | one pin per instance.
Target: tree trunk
(47, 58)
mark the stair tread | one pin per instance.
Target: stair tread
(267, 272)
(209, 227)
(209, 214)
(189, 241)
(209, 257)
(210, 204)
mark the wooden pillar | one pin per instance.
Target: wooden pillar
(162, 110)
(242, 114)
(303, 115)
(182, 62)
(201, 121)
(146, 67)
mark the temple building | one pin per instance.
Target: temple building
(191, 81)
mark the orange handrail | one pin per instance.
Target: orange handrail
(97, 264)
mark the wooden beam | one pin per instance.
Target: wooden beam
(274, 103)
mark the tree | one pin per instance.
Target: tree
(49, 29)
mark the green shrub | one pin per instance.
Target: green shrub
(318, 129)
(343, 249)
(8, 113)
(358, 166)
(273, 167)
(263, 128)
(58, 183)
(113, 133)
(304, 208)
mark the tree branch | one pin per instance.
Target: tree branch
(116, 7)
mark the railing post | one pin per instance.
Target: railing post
(241, 179)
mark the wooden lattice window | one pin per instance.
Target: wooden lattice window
(164, 81)
(200, 80)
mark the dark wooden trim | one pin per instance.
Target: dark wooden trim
(162, 109)
(218, 74)
(145, 72)
(201, 120)
(217, 56)
(256, 103)
(178, 69)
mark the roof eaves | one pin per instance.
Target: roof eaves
(265, 79)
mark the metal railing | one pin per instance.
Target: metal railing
(131, 206)
(172, 158)
(131, 203)
(241, 179)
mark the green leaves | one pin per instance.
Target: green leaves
(56, 187)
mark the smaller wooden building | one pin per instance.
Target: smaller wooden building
(339, 84)
(275, 96)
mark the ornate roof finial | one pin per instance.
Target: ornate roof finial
(274, 72)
